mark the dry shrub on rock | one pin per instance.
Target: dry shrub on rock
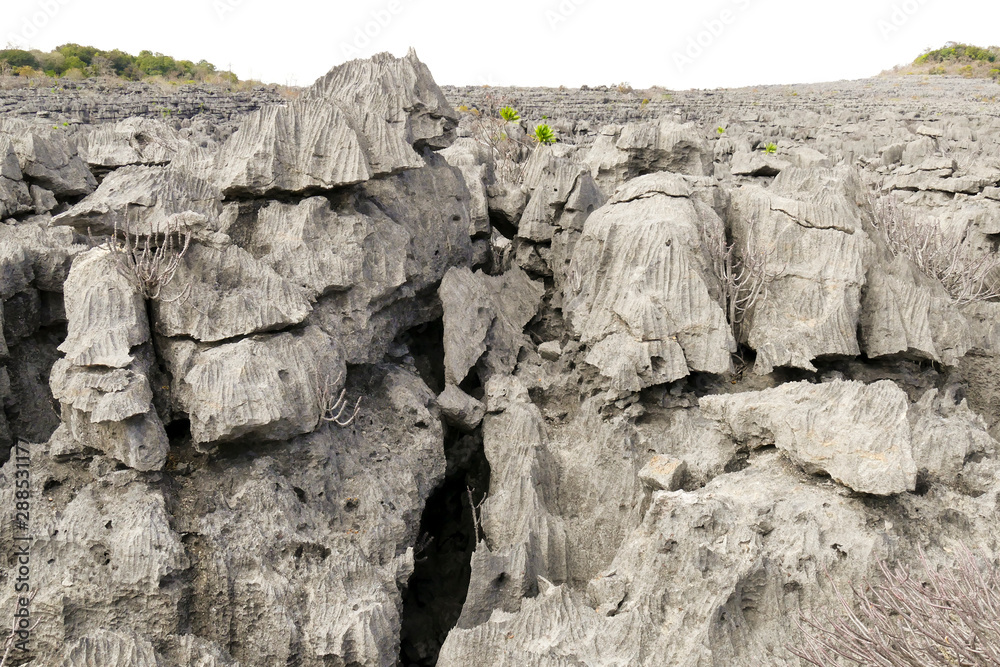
(967, 273)
(949, 619)
(744, 276)
(150, 262)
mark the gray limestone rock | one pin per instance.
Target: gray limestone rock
(143, 201)
(278, 395)
(47, 158)
(807, 231)
(460, 409)
(858, 434)
(132, 141)
(107, 315)
(484, 318)
(15, 197)
(218, 294)
(622, 153)
(640, 291)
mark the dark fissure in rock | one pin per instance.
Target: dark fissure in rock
(436, 591)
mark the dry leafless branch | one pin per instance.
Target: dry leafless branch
(476, 521)
(946, 619)
(967, 273)
(331, 405)
(148, 265)
(744, 276)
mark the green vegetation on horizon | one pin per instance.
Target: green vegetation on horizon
(78, 62)
(953, 51)
(956, 59)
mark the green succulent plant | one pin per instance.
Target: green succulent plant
(510, 114)
(544, 134)
(771, 149)
(720, 130)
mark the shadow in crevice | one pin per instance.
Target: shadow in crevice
(436, 591)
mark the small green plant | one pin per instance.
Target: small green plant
(771, 148)
(544, 134)
(510, 114)
(720, 130)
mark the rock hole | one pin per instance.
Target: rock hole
(436, 592)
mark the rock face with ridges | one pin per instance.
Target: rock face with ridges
(143, 201)
(640, 291)
(857, 434)
(107, 316)
(276, 396)
(396, 101)
(556, 457)
(418, 227)
(219, 294)
(139, 141)
(360, 121)
(48, 159)
(14, 194)
(307, 145)
(807, 230)
(485, 313)
(621, 153)
(103, 383)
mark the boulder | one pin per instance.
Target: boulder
(856, 433)
(47, 158)
(484, 319)
(621, 153)
(277, 395)
(640, 290)
(225, 293)
(145, 201)
(807, 233)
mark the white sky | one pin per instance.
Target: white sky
(523, 42)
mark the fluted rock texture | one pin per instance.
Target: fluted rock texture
(395, 408)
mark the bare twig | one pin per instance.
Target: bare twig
(967, 273)
(332, 405)
(948, 619)
(476, 522)
(147, 265)
(744, 276)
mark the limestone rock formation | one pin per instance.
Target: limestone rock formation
(640, 289)
(808, 232)
(143, 201)
(858, 434)
(47, 158)
(395, 407)
(277, 395)
(484, 317)
(621, 153)
(132, 141)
